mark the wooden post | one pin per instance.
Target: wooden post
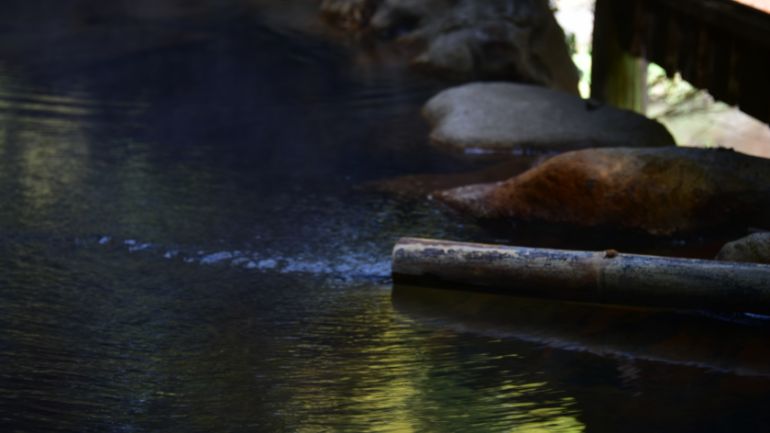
(617, 78)
(605, 277)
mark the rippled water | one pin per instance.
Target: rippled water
(185, 246)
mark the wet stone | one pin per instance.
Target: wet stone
(754, 248)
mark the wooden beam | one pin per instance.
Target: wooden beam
(719, 45)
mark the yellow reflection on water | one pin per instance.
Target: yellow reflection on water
(402, 378)
(3, 134)
(44, 108)
(51, 166)
(552, 420)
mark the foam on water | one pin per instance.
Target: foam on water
(346, 265)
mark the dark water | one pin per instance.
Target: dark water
(184, 246)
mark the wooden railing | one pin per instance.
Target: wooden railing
(719, 45)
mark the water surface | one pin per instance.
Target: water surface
(185, 246)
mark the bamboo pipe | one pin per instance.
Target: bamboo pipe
(605, 277)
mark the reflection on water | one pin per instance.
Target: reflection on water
(184, 247)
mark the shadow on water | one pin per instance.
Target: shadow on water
(667, 363)
(726, 343)
(184, 247)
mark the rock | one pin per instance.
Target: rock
(421, 185)
(661, 191)
(349, 14)
(753, 248)
(507, 117)
(467, 40)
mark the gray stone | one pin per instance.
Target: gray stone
(753, 248)
(508, 117)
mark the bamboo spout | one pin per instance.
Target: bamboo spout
(605, 277)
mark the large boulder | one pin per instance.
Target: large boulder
(506, 117)
(661, 191)
(465, 40)
(753, 248)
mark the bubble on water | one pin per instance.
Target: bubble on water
(240, 261)
(267, 264)
(139, 247)
(216, 257)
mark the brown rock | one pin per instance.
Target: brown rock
(753, 248)
(421, 185)
(662, 191)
